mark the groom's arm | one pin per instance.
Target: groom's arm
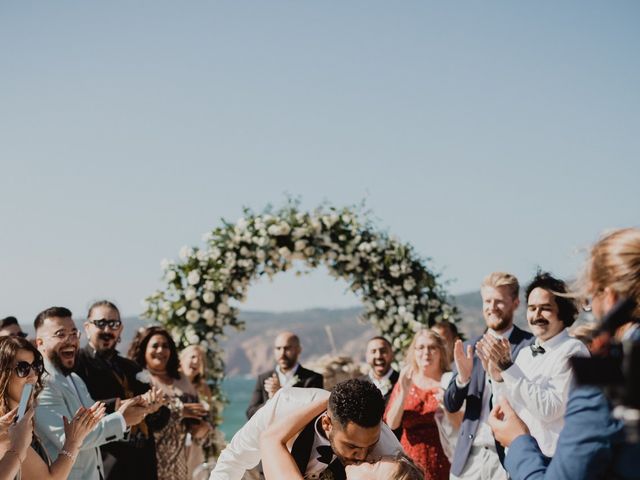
(243, 452)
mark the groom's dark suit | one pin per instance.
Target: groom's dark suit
(306, 379)
(454, 397)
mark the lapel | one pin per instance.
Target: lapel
(71, 398)
(301, 449)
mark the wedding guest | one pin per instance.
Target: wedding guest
(192, 365)
(585, 332)
(279, 463)
(20, 364)
(154, 350)
(414, 403)
(110, 378)
(593, 443)
(65, 392)
(287, 373)
(538, 382)
(476, 455)
(449, 332)
(349, 432)
(379, 356)
(9, 326)
(15, 440)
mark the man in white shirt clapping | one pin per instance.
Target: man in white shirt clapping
(537, 383)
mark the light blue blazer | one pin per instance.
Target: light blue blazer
(59, 399)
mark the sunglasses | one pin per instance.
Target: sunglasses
(104, 323)
(23, 368)
(19, 334)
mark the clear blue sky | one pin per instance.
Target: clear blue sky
(490, 135)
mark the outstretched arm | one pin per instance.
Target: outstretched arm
(277, 461)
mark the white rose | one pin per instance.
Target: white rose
(273, 230)
(194, 277)
(260, 255)
(171, 276)
(300, 245)
(164, 264)
(215, 253)
(185, 252)
(380, 304)
(409, 284)
(285, 252)
(192, 316)
(208, 297)
(190, 294)
(195, 304)
(284, 228)
(223, 308)
(180, 312)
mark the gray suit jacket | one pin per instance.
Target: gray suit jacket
(58, 399)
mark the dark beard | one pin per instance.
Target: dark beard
(58, 364)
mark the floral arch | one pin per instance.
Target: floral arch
(400, 294)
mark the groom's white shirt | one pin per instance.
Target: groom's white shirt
(243, 452)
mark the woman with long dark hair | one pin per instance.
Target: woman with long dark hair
(155, 351)
(21, 364)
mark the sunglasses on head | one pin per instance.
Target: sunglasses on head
(104, 323)
(23, 368)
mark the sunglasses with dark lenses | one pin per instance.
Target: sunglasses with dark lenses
(104, 323)
(23, 368)
(19, 334)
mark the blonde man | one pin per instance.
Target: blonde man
(477, 455)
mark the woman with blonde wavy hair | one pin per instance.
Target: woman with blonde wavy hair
(415, 400)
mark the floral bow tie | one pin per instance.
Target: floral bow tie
(537, 349)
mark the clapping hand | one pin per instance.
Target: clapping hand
(5, 422)
(133, 410)
(272, 385)
(85, 420)
(406, 375)
(497, 351)
(464, 361)
(506, 424)
(154, 398)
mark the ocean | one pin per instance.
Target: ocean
(238, 391)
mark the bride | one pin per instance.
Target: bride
(278, 463)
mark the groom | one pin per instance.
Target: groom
(350, 431)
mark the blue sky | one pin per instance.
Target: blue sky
(490, 135)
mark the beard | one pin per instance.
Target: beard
(106, 337)
(500, 323)
(57, 362)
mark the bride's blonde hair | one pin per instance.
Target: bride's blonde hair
(406, 470)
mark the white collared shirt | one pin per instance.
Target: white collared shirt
(537, 387)
(383, 383)
(484, 435)
(286, 378)
(314, 467)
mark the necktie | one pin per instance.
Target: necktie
(537, 349)
(326, 454)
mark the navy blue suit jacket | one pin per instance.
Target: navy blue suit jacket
(454, 398)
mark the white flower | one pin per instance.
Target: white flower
(190, 294)
(194, 277)
(209, 317)
(171, 276)
(164, 264)
(409, 284)
(185, 252)
(223, 308)
(285, 252)
(300, 245)
(181, 311)
(208, 297)
(380, 304)
(195, 304)
(192, 316)
(215, 253)
(143, 376)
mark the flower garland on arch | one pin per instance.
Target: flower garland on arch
(400, 294)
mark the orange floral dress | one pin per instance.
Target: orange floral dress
(420, 438)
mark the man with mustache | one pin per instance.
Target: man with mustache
(538, 382)
(287, 373)
(111, 378)
(64, 393)
(477, 455)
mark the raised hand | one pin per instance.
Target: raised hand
(76, 429)
(487, 363)
(464, 361)
(5, 422)
(406, 375)
(194, 410)
(154, 398)
(19, 434)
(272, 385)
(505, 423)
(498, 350)
(133, 410)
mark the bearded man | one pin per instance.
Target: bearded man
(477, 454)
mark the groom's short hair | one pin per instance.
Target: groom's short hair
(357, 401)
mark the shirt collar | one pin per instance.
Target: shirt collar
(386, 376)
(505, 334)
(553, 342)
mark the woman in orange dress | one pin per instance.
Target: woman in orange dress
(415, 400)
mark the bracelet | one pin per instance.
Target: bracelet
(68, 455)
(15, 452)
